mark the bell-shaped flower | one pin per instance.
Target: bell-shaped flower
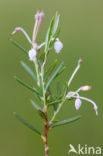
(78, 103)
(58, 45)
(32, 54)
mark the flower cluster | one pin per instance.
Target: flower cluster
(76, 95)
(58, 45)
(78, 101)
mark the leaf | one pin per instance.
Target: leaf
(29, 70)
(54, 102)
(58, 89)
(39, 109)
(55, 37)
(49, 36)
(19, 46)
(54, 75)
(35, 105)
(61, 70)
(27, 124)
(51, 68)
(27, 86)
(56, 22)
(64, 122)
(54, 121)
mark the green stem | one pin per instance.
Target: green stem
(44, 92)
(57, 111)
(37, 72)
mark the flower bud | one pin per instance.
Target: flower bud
(58, 45)
(80, 61)
(32, 54)
(85, 88)
(78, 103)
(16, 30)
(96, 109)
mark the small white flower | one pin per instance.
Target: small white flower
(78, 103)
(58, 45)
(32, 54)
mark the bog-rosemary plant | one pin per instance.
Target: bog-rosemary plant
(43, 77)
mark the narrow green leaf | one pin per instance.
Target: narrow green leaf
(29, 70)
(64, 122)
(55, 121)
(39, 109)
(51, 68)
(35, 105)
(54, 75)
(52, 99)
(55, 37)
(55, 106)
(49, 36)
(54, 102)
(58, 89)
(56, 22)
(19, 46)
(27, 124)
(61, 70)
(27, 86)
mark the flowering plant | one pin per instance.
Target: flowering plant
(44, 78)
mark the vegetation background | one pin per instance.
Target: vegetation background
(82, 34)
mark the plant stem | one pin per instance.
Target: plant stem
(74, 73)
(57, 111)
(45, 111)
(37, 72)
(45, 136)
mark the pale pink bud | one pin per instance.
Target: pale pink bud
(39, 18)
(96, 109)
(41, 14)
(32, 54)
(78, 103)
(58, 45)
(37, 15)
(16, 30)
(80, 61)
(85, 88)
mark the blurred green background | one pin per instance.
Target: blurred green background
(82, 35)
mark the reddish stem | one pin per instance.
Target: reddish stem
(45, 137)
